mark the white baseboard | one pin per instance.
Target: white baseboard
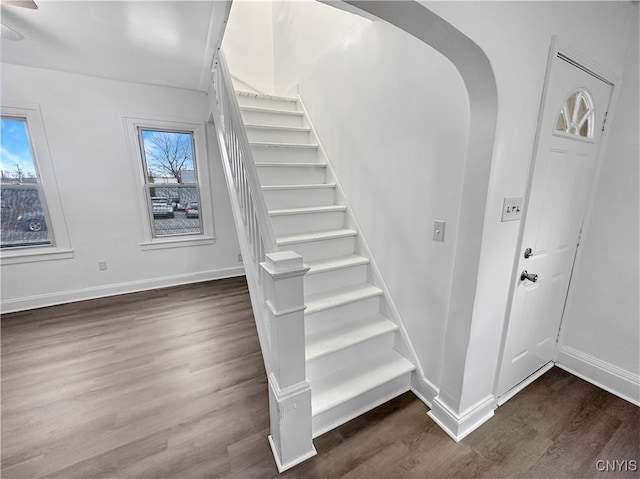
(618, 381)
(423, 388)
(458, 426)
(63, 297)
(520, 386)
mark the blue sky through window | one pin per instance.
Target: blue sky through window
(15, 150)
(168, 153)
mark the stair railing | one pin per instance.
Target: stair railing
(274, 278)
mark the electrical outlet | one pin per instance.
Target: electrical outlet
(102, 265)
(239, 258)
(512, 209)
(438, 230)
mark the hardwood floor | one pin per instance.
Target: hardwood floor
(170, 384)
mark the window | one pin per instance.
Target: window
(173, 182)
(576, 115)
(24, 218)
(33, 227)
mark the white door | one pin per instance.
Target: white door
(573, 114)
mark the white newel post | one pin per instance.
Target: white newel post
(289, 392)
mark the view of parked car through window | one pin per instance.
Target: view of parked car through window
(171, 181)
(23, 221)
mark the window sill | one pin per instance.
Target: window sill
(177, 242)
(34, 255)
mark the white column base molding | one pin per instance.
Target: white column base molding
(423, 388)
(458, 426)
(614, 379)
(283, 467)
(290, 416)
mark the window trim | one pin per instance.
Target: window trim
(60, 247)
(147, 239)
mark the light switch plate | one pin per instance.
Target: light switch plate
(438, 230)
(512, 209)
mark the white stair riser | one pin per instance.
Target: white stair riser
(244, 100)
(273, 135)
(338, 415)
(282, 175)
(271, 154)
(337, 359)
(316, 250)
(333, 317)
(339, 278)
(268, 118)
(306, 223)
(299, 198)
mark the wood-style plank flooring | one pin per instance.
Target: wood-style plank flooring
(170, 384)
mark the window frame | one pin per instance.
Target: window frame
(148, 239)
(47, 185)
(592, 115)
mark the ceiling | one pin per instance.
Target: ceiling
(169, 43)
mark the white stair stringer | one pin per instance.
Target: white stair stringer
(353, 362)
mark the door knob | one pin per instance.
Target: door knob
(528, 253)
(530, 276)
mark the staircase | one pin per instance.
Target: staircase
(352, 364)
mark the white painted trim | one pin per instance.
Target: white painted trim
(607, 376)
(36, 254)
(459, 426)
(71, 296)
(180, 241)
(288, 465)
(424, 389)
(366, 250)
(520, 386)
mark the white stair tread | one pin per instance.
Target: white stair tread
(338, 387)
(335, 339)
(338, 297)
(265, 96)
(271, 164)
(332, 264)
(297, 187)
(308, 209)
(278, 127)
(275, 111)
(316, 236)
(268, 144)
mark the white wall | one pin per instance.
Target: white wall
(601, 330)
(392, 114)
(83, 120)
(248, 45)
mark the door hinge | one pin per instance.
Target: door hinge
(604, 122)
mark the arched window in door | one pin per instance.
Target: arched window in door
(576, 115)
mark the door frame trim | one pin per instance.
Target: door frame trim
(567, 52)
